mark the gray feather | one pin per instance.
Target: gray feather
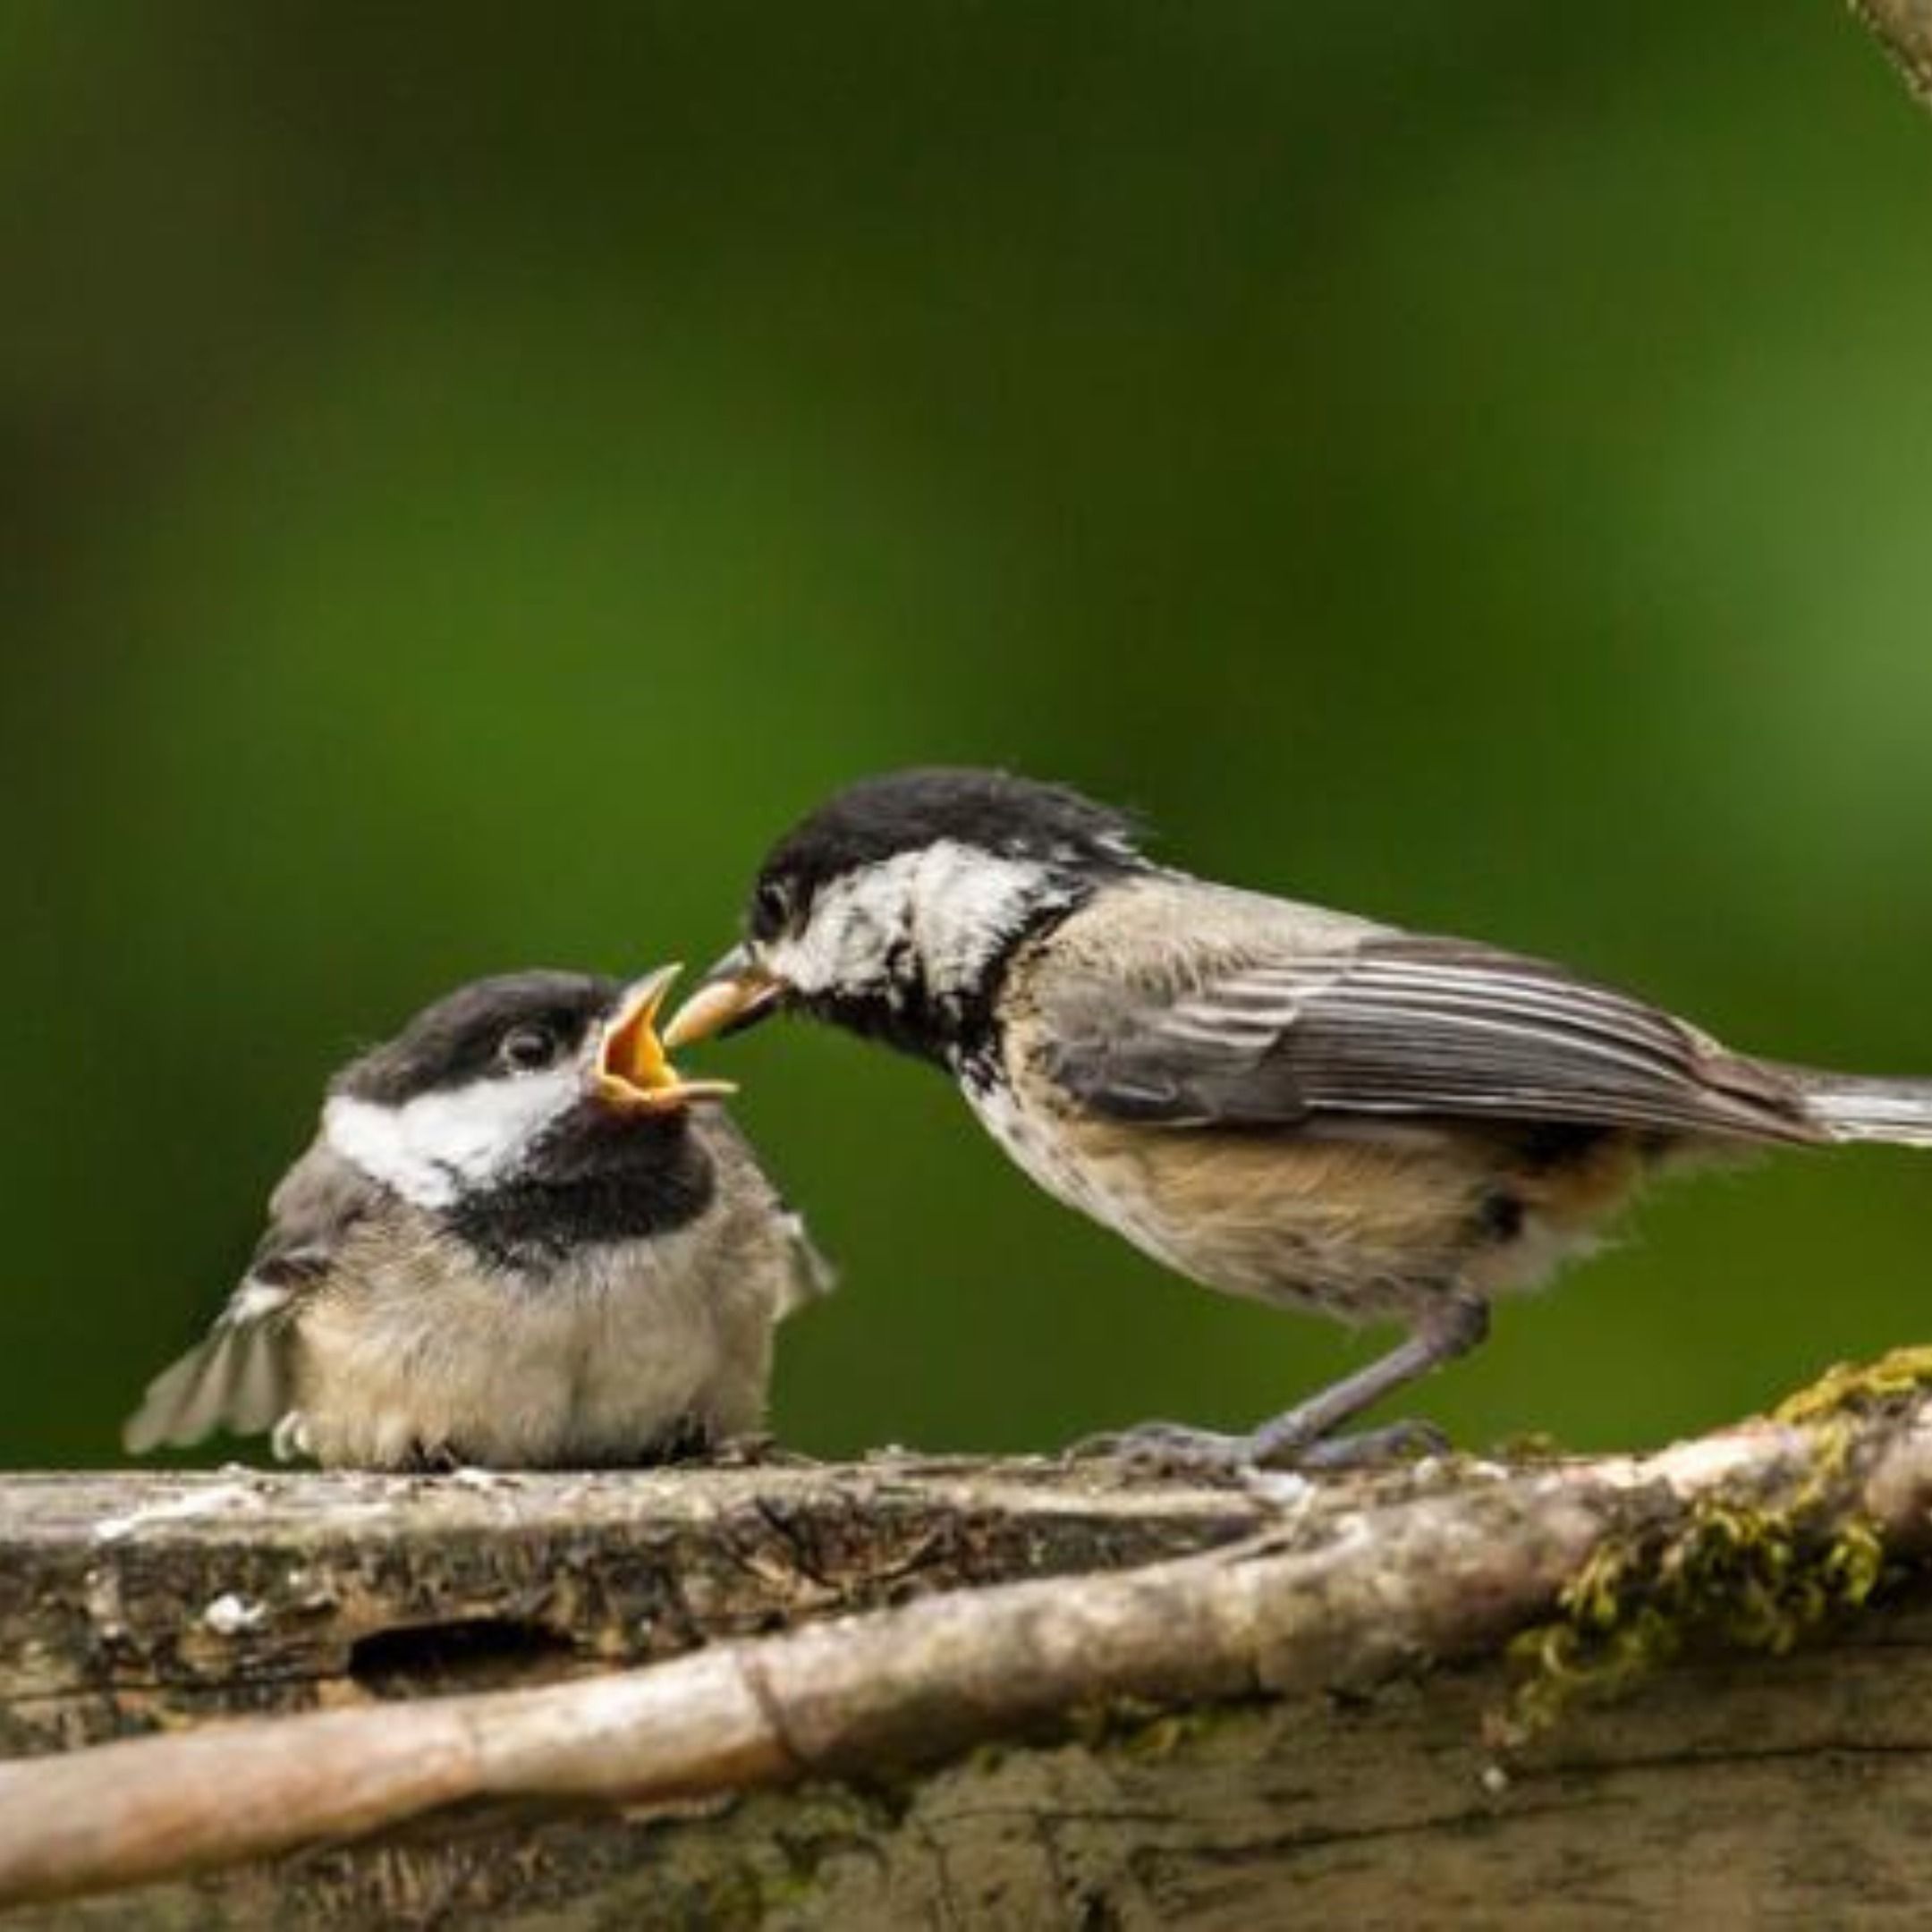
(1407, 1025)
(316, 1204)
(241, 1376)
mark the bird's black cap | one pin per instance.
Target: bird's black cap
(592, 1174)
(459, 1039)
(877, 818)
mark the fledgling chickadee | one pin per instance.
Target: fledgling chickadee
(1276, 1100)
(518, 1240)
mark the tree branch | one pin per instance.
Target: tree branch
(1342, 1583)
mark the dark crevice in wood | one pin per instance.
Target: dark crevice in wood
(478, 1653)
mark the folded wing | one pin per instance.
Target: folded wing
(1406, 1025)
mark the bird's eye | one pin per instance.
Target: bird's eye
(524, 1049)
(771, 907)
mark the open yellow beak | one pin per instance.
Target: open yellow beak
(632, 1072)
(735, 993)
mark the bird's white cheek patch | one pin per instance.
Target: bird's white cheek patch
(966, 904)
(849, 940)
(433, 1148)
(955, 904)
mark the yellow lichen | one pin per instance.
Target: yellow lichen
(1138, 1728)
(1856, 1388)
(1162, 1736)
(1741, 1572)
(1757, 1570)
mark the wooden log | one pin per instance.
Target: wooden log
(1354, 1757)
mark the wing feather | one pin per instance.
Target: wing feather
(240, 1377)
(1403, 1024)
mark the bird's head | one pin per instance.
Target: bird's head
(527, 1079)
(893, 907)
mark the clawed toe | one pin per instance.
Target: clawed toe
(1165, 1448)
(1397, 1442)
(756, 1451)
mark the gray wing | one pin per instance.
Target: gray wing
(240, 1377)
(1403, 1024)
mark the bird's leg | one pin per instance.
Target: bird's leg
(758, 1449)
(1453, 1328)
(1306, 1435)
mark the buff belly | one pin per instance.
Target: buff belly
(600, 1363)
(1360, 1221)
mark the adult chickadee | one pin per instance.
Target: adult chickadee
(517, 1241)
(1276, 1100)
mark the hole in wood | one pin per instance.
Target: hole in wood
(464, 1654)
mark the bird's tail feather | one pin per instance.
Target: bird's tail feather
(1851, 1106)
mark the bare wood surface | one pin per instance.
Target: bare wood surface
(133, 1602)
(1270, 1730)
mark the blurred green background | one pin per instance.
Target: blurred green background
(470, 475)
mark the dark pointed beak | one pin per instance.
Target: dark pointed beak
(631, 1070)
(737, 993)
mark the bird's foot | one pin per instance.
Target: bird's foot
(1407, 1441)
(756, 1451)
(1165, 1449)
(1178, 1449)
